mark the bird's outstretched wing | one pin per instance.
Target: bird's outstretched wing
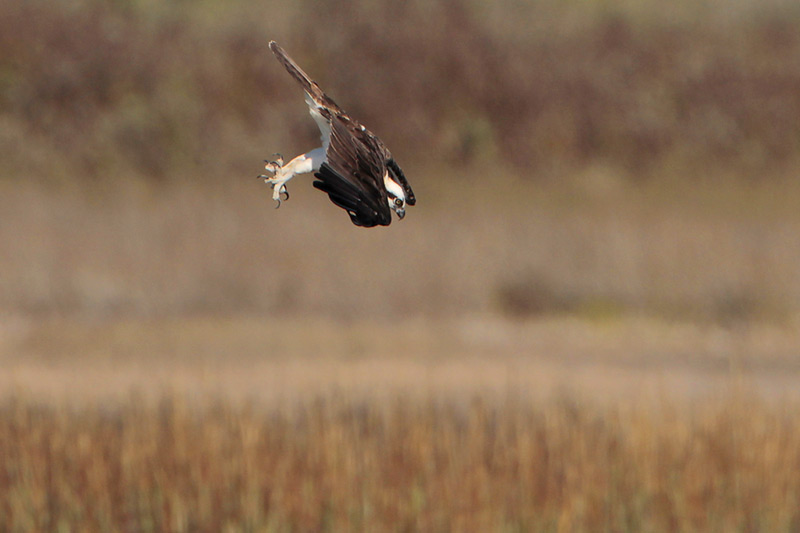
(309, 86)
(353, 173)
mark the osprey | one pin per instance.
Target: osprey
(352, 166)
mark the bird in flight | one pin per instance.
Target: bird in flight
(352, 166)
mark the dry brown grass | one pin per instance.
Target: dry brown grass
(338, 464)
(254, 424)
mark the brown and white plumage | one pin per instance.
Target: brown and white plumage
(353, 166)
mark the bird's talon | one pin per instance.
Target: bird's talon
(274, 165)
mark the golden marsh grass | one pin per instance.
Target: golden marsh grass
(407, 464)
(553, 424)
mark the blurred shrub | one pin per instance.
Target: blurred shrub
(531, 297)
(155, 87)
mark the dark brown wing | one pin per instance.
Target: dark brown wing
(309, 85)
(353, 173)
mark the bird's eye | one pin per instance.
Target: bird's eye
(398, 202)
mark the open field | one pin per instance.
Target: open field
(589, 322)
(725, 254)
(248, 424)
(283, 424)
(337, 464)
(268, 360)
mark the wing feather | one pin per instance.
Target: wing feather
(361, 207)
(353, 174)
(309, 86)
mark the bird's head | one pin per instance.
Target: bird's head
(398, 190)
(395, 195)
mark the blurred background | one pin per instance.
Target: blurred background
(604, 256)
(606, 166)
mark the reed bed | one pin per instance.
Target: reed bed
(342, 463)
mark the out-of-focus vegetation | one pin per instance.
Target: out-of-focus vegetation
(569, 157)
(550, 424)
(336, 464)
(607, 237)
(93, 89)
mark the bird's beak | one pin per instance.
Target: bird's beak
(401, 213)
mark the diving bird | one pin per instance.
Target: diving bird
(352, 166)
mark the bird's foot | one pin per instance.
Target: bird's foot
(278, 180)
(278, 184)
(274, 165)
(279, 191)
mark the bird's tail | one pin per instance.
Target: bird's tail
(297, 73)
